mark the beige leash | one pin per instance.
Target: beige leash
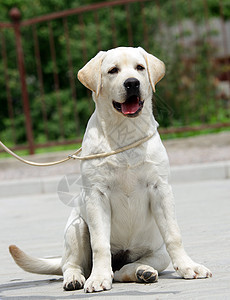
(74, 155)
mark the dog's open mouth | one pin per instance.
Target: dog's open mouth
(131, 107)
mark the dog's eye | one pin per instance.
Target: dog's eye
(113, 70)
(140, 68)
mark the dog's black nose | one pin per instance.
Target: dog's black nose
(132, 85)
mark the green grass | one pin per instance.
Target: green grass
(168, 136)
(72, 148)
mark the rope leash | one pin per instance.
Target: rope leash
(75, 154)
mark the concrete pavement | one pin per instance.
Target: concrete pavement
(36, 224)
(49, 184)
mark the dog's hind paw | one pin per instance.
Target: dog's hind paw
(146, 274)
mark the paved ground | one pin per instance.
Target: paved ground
(203, 210)
(199, 149)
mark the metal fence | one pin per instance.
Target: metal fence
(43, 105)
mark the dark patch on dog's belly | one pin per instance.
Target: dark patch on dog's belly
(120, 259)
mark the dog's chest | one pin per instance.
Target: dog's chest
(127, 182)
(126, 187)
(130, 206)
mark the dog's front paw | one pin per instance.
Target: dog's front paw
(146, 274)
(191, 270)
(98, 283)
(73, 280)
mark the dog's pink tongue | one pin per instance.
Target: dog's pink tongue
(129, 107)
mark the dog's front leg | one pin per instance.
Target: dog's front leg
(98, 216)
(162, 203)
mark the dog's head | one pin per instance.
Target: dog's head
(125, 77)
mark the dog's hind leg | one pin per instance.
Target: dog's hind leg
(77, 253)
(145, 269)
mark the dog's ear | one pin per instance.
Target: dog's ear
(155, 68)
(90, 74)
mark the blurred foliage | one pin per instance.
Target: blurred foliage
(187, 95)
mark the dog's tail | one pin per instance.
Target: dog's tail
(49, 266)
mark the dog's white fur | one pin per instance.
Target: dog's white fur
(127, 200)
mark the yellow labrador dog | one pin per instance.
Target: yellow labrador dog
(126, 227)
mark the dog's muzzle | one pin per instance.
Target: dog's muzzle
(133, 104)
